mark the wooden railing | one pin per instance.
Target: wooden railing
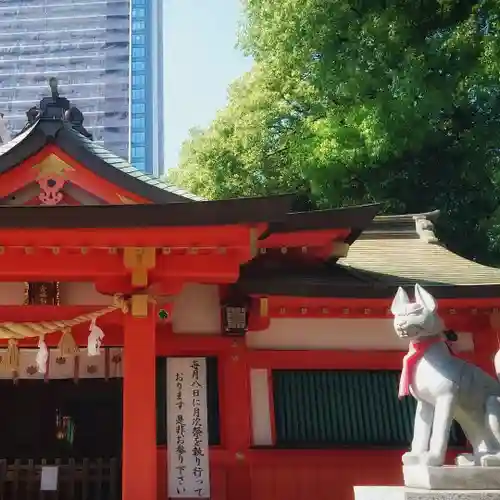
(85, 479)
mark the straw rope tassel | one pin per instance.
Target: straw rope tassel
(11, 359)
(67, 345)
(10, 330)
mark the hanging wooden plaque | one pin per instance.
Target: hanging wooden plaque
(44, 293)
(234, 319)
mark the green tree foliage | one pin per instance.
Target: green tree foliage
(353, 101)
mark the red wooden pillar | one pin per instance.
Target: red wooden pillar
(237, 421)
(139, 408)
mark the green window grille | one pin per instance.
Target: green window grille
(212, 401)
(327, 408)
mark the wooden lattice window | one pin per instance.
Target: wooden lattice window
(357, 408)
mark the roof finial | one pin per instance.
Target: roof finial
(53, 108)
(53, 87)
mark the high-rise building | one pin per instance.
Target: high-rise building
(146, 76)
(107, 57)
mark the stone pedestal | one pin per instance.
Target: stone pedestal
(416, 494)
(438, 483)
(452, 478)
(403, 493)
(451, 483)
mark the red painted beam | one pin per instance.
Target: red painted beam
(44, 265)
(284, 301)
(316, 238)
(168, 344)
(214, 268)
(183, 237)
(330, 359)
(463, 320)
(369, 306)
(123, 285)
(326, 360)
(72, 265)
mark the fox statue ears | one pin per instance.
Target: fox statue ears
(425, 299)
(400, 302)
(422, 297)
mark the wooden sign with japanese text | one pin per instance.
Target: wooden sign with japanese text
(187, 433)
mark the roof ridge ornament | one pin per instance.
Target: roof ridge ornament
(53, 107)
(425, 229)
(57, 108)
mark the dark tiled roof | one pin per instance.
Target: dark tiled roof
(96, 158)
(393, 251)
(213, 213)
(410, 261)
(124, 166)
(398, 248)
(271, 209)
(355, 218)
(5, 148)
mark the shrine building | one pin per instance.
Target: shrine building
(157, 345)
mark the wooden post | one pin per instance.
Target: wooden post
(237, 431)
(139, 408)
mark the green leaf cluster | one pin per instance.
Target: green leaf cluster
(353, 101)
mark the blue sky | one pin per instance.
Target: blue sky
(200, 62)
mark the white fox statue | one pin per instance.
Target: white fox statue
(445, 387)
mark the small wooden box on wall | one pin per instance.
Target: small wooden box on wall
(41, 293)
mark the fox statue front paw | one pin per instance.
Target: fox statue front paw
(466, 460)
(425, 458)
(431, 459)
(411, 458)
(490, 460)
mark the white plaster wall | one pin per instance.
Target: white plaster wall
(196, 310)
(350, 334)
(83, 294)
(11, 294)
(261, 414)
